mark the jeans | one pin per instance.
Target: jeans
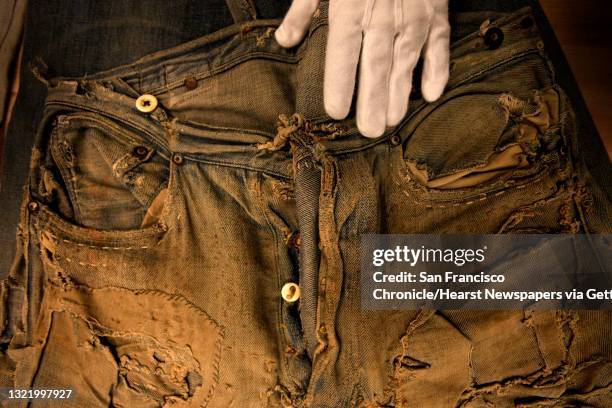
(171, 200)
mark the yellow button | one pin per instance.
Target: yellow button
(146, 103)
(290, 292)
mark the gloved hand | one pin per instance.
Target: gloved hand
(389, 35)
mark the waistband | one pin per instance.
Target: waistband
(113, 93)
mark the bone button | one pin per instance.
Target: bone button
(146, 103)
(290, 292)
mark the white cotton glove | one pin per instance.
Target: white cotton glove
(389, 35)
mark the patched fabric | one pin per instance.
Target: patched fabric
(156, 239)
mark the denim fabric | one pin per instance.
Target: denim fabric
(81, 37)
(93, 32)
(153, 246)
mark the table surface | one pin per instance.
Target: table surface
(584, 29)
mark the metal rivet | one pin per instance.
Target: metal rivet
(493, 38)
(146, 103)
(177, 159)
(140, 151)
(191, 83)
(395, 140)
(33, 206)
(290, 292)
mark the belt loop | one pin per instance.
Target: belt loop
(242, 10)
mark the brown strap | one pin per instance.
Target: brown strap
(242, 10)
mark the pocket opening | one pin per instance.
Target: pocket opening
(103, 177)
(523, 139)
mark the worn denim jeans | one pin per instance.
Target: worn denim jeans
(157, 232)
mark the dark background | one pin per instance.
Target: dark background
(584, 29)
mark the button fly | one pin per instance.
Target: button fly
(290, 292)
(146, 103)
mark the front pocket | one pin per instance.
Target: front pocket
(127, 348)
(476, 144)
(112, 179)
